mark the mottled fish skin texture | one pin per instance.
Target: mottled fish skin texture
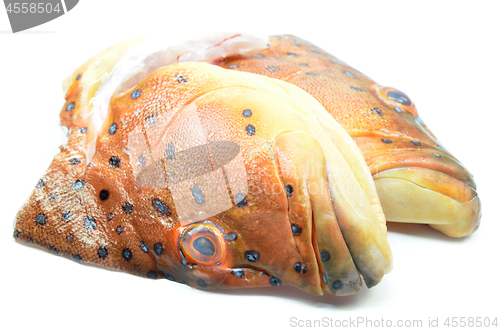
(387, 128)
(212, 177)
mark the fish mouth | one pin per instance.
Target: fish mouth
(421, 182)
(423, 195)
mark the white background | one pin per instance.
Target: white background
(444, 54)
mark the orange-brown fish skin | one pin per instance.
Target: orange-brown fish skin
(97, 213)
(389, 133)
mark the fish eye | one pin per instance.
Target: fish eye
(395, 98)
(399, 97)
(203, 243)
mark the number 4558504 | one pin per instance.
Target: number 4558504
(470, 322)
(25, 8)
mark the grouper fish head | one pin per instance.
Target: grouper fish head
(206, 176)
(417, 179)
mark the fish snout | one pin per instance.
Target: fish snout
(422, 195)
(422, 183)
(413, 194)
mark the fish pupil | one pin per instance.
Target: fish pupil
(204, 246)
(399, 97)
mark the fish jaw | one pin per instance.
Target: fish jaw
(420, 195)
(435, 188)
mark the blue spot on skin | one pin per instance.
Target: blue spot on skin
(232, 66)
(152, 274)
(127, 254)
(324, 255)
(250, 129)
(40, 184)
(40, 219)
(247, 113)
(89, 223)
(198, 195)
(296, 230)
(437, 155)
(273, 68)
(300, 268)
(74, 161)
(345, 72)
(238, 273)
(170, 151)
(66, 216)
(136, 94)
(387, 141)
(114, 161)
(161, 207)
(398, 110)
(78, 185)
(102, 252)
(337, 285)
(416, 143)
(181, 78)
(419, 121)
(144, 247)
(357, 89)
(231, 236)
(158, 248)
(128, 208)
(275, 281)
(252, 256)
(70, 106)
(202, 283)
(240, 200)
(112, 128)
(184, 261)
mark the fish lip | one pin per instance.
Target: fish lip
(385, 151)
(431, 179)
(417, 158)
(451, 205)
